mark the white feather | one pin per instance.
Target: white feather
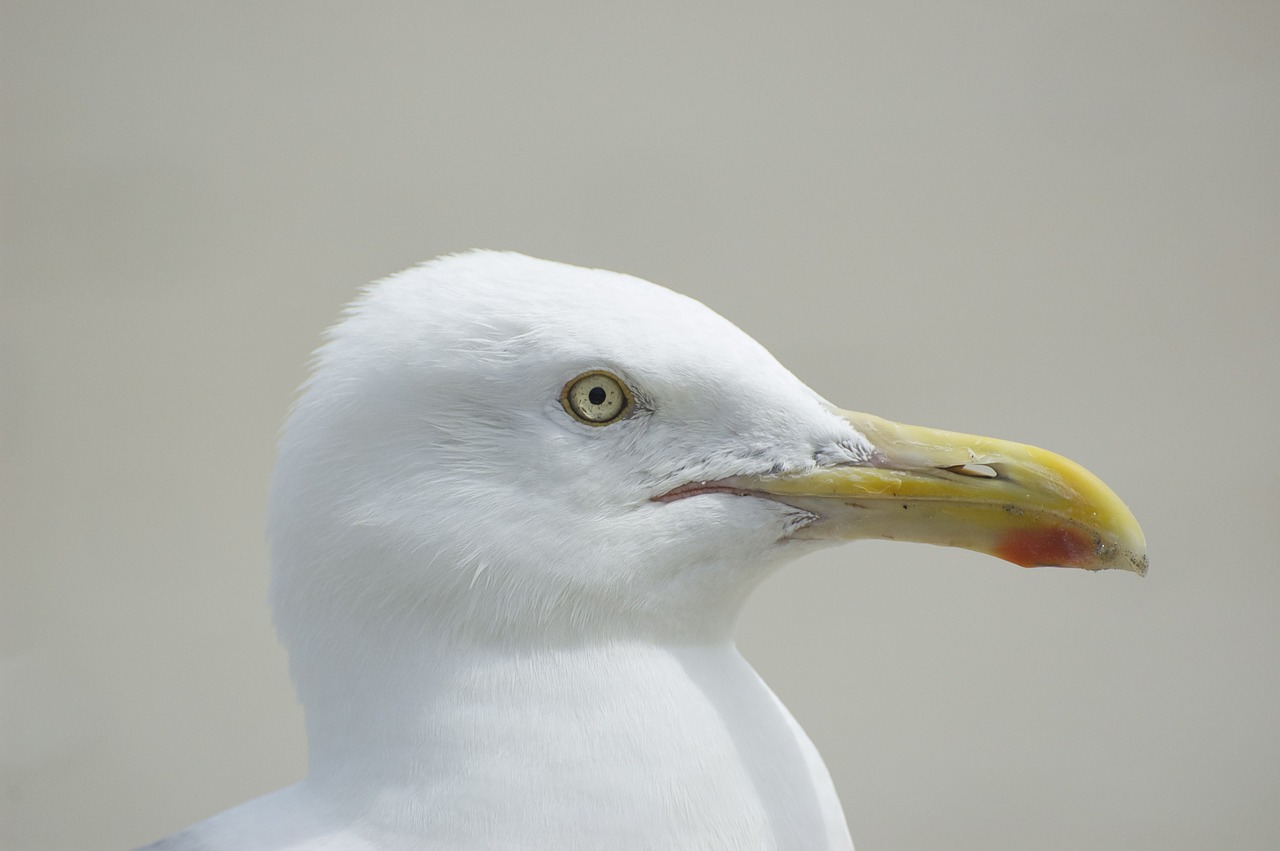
(499, 639)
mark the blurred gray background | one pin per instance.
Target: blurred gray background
(1053, 222)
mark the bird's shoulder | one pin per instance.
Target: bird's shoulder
(287, 820)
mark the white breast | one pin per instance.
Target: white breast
(623, 747)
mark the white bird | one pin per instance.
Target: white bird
(516, 513)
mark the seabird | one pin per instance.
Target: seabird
(517, 509)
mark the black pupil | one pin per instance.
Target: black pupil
(596, 395)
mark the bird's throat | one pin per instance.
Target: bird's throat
(551, 728)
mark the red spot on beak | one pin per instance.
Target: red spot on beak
(1056, 546)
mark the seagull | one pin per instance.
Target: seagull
(517, 509)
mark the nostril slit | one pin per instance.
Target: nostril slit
(977, 471)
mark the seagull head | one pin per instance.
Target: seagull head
(495, 448)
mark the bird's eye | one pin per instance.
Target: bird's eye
(596, 398)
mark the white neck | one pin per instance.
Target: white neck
(473, 746)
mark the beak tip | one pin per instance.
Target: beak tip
(1140, 563)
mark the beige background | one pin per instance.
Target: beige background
(1055, 222)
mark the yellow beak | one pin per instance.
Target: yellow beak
(1019, 503)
